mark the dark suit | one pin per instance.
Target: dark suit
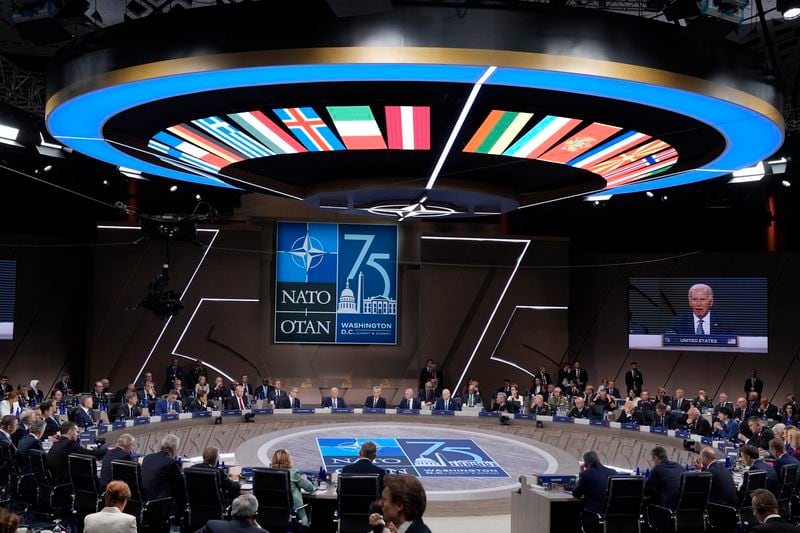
(593, 487)
(775, 525)
(65, 388)
(115, 454)
(682, 404)
(452, 405)
(474, 399)
(418, 526)
(57, 461)
(684, 325)
(295, 403)
(413, 403)
(224, 526)
(719, 406)
(162, 477)
(196, 406)
(427, 374)
(232, 402)
(580, 376)
(26, 444)
(634, 380)
(772, 475)
(283, 402)
(580, 413)
(785, 460)
(664, 483)
(426, 396)
(276, 395)
(52, 427)
(509, 407)
(700, 427)
(328, 402)
(264, 392)
(365, 466)
(753, 384)
(761, 440)
(130, 411)
(82, 418)
(173, 373)
(545, 377)
(770, 412)
(230, 489)
(370, 401)
(723, 488)
(18, 434)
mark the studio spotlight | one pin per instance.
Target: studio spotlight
(105, 182)
(786, 183)
(48, 168)
(664, 198)
(789, 8)
(173, 188)
(649, 194)
(198, 197)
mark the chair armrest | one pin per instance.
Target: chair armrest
(657, 514)
(597, 515)
(152, 503)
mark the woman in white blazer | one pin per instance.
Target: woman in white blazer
(10, 406)
(111, 519)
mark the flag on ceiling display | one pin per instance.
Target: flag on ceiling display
(357, 127)
(610, 149)
(269, 133)
(607, 167)
(497, 132)
(233, 137)
(311, 130)
(580, 142)
(642, 167)
(408, 128)
(203, 141)
(186, 152)
(541, 137)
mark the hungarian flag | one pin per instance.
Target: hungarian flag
(542, 137)
(609, 166)
(269, 133)
(580, 142)
(408, 128)
(497, 132)
(609, 149)
(357, 127)
(203, 141)
(312, 131)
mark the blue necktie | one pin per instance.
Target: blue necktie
(700, 330)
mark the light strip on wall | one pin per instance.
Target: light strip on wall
(185, 290)
(526, 243)
(508, 323)
(457, 128)
(189, 323)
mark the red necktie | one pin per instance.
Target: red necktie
(241, 404)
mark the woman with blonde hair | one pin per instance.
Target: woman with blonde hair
(282, 459)
(793, 440)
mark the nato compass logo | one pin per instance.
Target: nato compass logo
(305, 295)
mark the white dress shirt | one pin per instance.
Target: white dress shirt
(706, 323)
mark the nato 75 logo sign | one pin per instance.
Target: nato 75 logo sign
(416, 457)
(336, 283)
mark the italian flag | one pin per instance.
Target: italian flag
(357, 127)
(408, 127)
(497, 132)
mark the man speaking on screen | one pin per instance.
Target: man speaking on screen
(699, 321)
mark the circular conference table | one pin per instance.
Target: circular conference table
(500, 454)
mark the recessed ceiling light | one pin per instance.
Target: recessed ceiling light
(786, 183)
(48, 168)
(198, 197)
(649, 194)
(173, 188)
(105, 182)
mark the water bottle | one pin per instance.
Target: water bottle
(647, 472)
(638, 472)
(321, 475)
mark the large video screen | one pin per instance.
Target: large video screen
(698, 314)
(336, 283)
(8, 289)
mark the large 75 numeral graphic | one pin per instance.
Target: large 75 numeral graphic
(372, 260)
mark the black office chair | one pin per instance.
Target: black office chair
(205, 499)
(276, 511)
(786, 486)
(8, 474)
(53, 501)
(86, 485)
(151, 515)
(689, 514)
(356, 493)
(751, 481)
(623, 507)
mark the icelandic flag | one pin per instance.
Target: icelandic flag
(542, 137)
(311, 130)
(408, 127)
(497, 132)
(357, 127)
(269, 133)
(233, 137)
